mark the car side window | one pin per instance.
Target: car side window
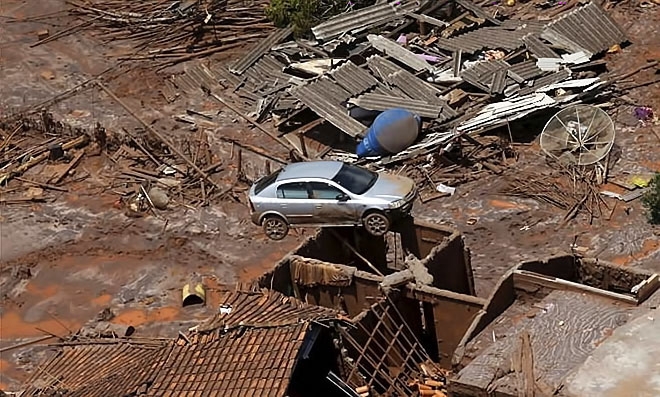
(294, 190)
(324, 191)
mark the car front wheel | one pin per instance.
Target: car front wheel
(376, 223)
(275, 227)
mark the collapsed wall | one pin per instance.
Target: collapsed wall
(348, 269)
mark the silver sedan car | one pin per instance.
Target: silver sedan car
(329, 193)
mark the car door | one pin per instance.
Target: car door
(293, 202)
(328, 208)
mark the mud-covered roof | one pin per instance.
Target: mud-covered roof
(249, 348)
(97, 368)
(254, 362)
(264, 309)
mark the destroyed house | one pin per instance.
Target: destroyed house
(542, 327)
(422, 274)
(552, 326)
(259, 344)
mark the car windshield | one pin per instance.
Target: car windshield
(356, 179)
(265, 181)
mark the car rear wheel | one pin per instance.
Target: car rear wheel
(376, 223)
(275, 227)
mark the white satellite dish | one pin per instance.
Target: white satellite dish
(580, 134)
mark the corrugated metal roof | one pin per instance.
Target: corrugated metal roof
(264, 75)
(545, 81)
(487, 38)
(390, 90)
(477, 10)
(418, 89)
(332, 91)
(538, 48)
(399, 53)
(381, 67)
(588, 28)
(241, 65)
(194, 77)
(498, 82)
(489, 76)
(114, 368)
(364, 18)
(253, 362)
(313, 96)
(385, 102)
(415, 87)
(526, 70)
(353, 78)
(267, 308)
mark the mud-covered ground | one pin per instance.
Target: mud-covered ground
(64, 263)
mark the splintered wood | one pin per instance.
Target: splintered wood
(37, 157)
(40, 160)
(569, 189)
(173, 32)
(473, 159)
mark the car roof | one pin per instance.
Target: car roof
(310, 169)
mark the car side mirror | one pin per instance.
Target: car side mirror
(342, 197)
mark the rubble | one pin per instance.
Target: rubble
(343, 312)
(174, 32)
(501, 61)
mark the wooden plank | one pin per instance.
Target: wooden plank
(73, 163)
(524, 276)
(647, 287)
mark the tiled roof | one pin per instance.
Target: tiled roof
(253, 353)
(97, 368)
(264, 309)
(257, 362)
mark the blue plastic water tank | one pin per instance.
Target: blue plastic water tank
(391, 132)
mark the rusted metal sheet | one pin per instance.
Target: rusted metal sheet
(399, 53)
(321, 102)
(385, 102)
(362, 19)
(353, 78)
(588, 29)
(538, 48)
(252, 56)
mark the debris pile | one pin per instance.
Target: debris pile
(149, 172)
(55, 149)
(172, 32)
(464, 72)
(569, 189)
